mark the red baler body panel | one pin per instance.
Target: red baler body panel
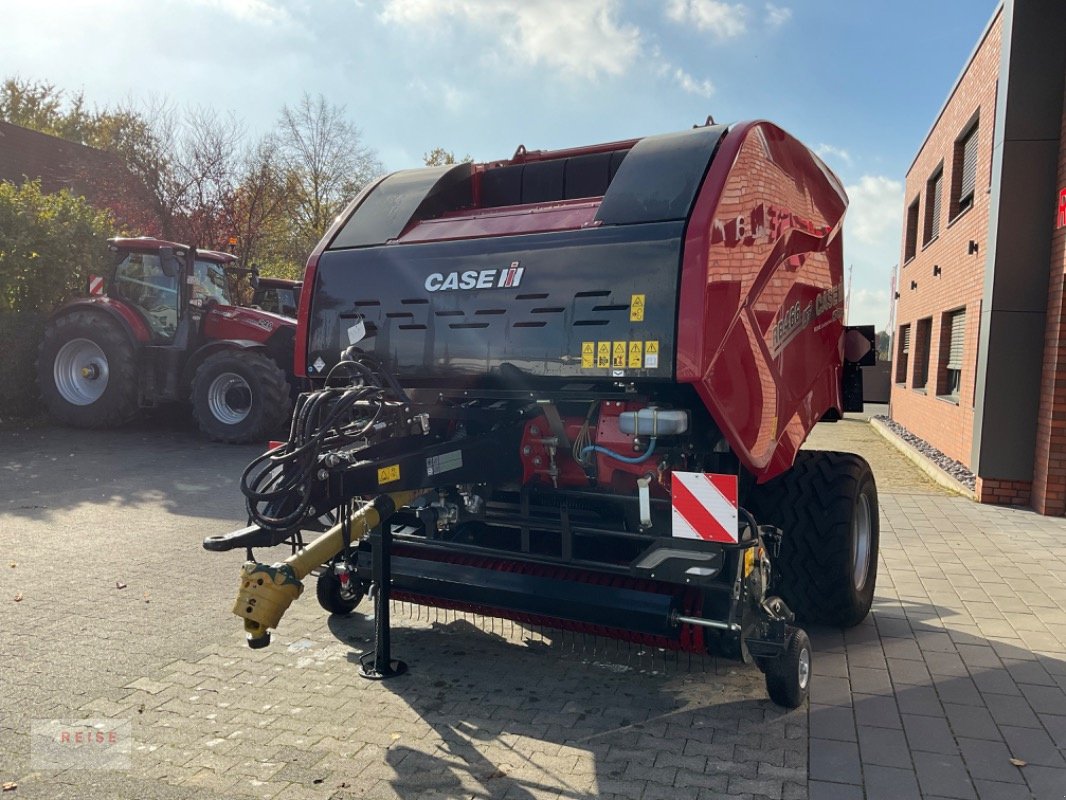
(761, 304)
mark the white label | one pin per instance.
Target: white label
(618, 373)
(319, 364)
(446, 462)
(357, 333)
(651, 361)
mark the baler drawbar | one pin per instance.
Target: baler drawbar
(569, 389)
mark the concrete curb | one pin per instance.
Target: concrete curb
(920, 460)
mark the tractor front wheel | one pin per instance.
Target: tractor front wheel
(87, 371)
(240, 396)
(826, 507)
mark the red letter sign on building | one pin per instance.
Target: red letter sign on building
(1062, 208)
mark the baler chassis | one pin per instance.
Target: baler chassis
(429, 510)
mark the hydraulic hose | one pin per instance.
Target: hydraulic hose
(595, 448)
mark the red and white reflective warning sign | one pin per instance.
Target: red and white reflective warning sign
(704, 506)
(96, 284)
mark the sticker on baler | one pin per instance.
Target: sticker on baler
(603, 355)
(588, 355)
(446, 462)
(636, 308)
(388, 474)
(636, 355)
(651, 354)
(704, 506)
(618, 357)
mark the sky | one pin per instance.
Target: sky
(858, 81)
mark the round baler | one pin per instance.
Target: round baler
(583, 378)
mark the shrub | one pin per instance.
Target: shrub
(49, 244)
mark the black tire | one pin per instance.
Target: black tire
(788, 677)
(826, 506)
(256, 405)
(333, 598)
(87, 371)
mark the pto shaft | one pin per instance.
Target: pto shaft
(266, 591)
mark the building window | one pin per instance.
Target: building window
(934, 193)
(964, 171)
(903, 350)
(922, 341)
(910, 246)
(952, 337)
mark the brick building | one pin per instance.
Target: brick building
(99, 176)
(980, 343)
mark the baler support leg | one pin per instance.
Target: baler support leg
(378, 664)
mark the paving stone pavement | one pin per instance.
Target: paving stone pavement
(961, 666)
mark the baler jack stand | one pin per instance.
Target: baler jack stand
(378, 664)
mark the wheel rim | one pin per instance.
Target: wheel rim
(80, 372)
(230, 398)
(803, 670)
(862, 541)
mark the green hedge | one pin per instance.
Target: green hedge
(49, 244)
(20, 334)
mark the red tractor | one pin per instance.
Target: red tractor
(164, 325)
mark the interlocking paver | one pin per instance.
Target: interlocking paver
(961, 665)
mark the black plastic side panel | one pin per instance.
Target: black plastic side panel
(660, 177)
(401, 197)
(569, 312)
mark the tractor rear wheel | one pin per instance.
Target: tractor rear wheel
(826, 506)
(87, 371)
(240, 396)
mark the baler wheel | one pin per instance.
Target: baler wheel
(826, 506)
(240, 396)
(336, 598)
(788, 677)
(87, 371)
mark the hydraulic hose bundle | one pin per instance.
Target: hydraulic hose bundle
(340, 418)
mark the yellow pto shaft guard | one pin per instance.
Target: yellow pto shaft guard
(266, 591)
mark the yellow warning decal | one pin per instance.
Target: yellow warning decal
(636, 309)
(651, 354)
(603, 355)
(618, 357)
(588, 355)
(636, 355)
(388, 474)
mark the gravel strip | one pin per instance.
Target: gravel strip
(949, 465)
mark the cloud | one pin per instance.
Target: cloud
(776, 16)
(703, 88)
(828, 152)
(577, 39)
(721, 19)
(261, 12)
(869, 307)
(876, 210)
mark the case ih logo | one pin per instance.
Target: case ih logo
(474, 279)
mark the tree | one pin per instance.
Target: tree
(439, 157)
(884, 346)
(325, 163)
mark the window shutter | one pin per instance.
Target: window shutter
(958, 332)
(969, 165)
(906, 331)
(938, 186)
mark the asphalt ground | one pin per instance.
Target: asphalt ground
(111, 610)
